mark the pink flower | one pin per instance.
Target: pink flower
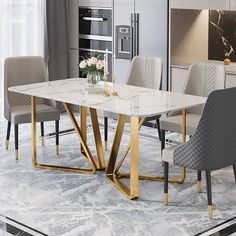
(99, 65)
(93, 61)
(83, 64)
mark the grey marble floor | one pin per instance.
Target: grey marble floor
(58, 203)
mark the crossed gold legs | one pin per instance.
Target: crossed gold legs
(133, 191)
(112, 171)
(81, 132)
(153, 178)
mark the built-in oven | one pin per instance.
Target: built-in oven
(94, 21)
(95, 33)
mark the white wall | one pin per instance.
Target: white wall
(189, 36)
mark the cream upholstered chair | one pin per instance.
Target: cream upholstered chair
(144, 72)
(17, 107)
(203, 78)
(212, 146)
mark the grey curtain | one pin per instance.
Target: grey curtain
(57, 39)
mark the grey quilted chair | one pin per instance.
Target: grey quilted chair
(17, 107)
(144, 72)
(202, 79)
(212, 146)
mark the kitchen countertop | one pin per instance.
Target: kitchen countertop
(230, 69)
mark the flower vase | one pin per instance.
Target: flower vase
(93, 79)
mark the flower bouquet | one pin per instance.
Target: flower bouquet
(93, 68)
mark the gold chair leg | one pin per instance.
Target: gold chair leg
(17, 154)
(42, 140)
(57, 150)
(78, 131)
(106, 145)
(210, 212)
(7, 144)
(199, 186)
(165, 199)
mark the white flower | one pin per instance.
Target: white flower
(93, 61)
(99, 65)
(83, 64)
(89, 62)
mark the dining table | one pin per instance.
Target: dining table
(131, 103)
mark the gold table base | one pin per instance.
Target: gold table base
(112, 172)
(82, 135)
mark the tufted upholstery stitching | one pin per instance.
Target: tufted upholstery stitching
(213, 144)
(149, 72)
(209, 78)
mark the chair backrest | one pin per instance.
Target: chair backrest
(202, 79)
(21, 71)
(145, 72)
(213, 144)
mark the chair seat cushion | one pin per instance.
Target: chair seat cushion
(168, 154)
(174, 123)
(22, 114)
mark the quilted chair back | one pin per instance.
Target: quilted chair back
(145, 72)
(22, 71)
(213, 145)
(203, 78)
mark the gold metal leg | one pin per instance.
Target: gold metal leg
(127, 150)
(148, 177)
(33, 120)
(112, 161)
(78, 131)
(199, 186)
(133, 192)
(17, 154)
(101, 165)
(83, 127)
(134, 155)
(210, 212)
(165, 199)
(57, 150)
(7, 144)
(42, 140)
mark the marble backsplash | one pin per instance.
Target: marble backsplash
(222, 35)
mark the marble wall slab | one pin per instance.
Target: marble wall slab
(222, 35)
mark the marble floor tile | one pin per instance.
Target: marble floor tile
(69, 204)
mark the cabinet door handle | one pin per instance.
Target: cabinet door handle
(94, 19)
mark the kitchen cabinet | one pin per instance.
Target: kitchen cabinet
(179, 74)
(230, 81)
(202, 4)
(96, 3)
(178, 78)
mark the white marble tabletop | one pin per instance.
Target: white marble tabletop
(132, 101)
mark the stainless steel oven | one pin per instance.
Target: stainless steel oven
(95, 32)
(94, 21)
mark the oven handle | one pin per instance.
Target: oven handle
(94, 18)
